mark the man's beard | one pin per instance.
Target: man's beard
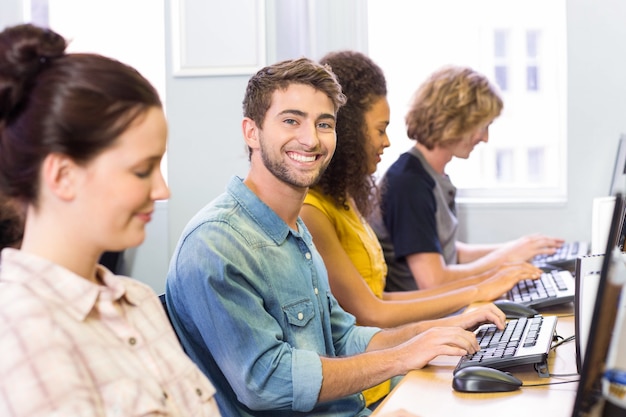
(282, 172)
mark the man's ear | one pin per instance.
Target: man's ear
(59, 175)
(250, 132)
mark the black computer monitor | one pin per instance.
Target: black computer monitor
(602, 323)
(618, 180)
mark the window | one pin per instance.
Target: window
(532, 60)
(519, 45)
(536, 169)
(501, 58)
(501, 77)
(505, 165)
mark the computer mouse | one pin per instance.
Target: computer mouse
(514, 310)
(484, 379)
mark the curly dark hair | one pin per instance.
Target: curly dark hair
(363, 83)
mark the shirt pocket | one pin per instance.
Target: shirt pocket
(195, 394)
(299, 313)
(133, 398)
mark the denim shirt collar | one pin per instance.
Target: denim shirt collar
(263, 215)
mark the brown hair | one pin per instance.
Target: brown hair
(261, 87)
(11, 223)
(452, 103)
(51, 101)
(363, 83)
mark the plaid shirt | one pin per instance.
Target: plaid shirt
(69, 347)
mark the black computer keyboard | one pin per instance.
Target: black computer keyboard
(529, 290)
(565, 257)
(522, 341)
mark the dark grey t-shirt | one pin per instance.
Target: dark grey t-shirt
(418, 216)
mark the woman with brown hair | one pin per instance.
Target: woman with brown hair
(81, 141)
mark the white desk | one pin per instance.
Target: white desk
(428, 392)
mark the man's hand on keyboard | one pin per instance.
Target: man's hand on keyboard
(471, 319)
(526, 247)
(448, 340)
(503, 278)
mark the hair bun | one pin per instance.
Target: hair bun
(24, 51)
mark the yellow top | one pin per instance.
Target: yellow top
(357, 238)
(360, 243)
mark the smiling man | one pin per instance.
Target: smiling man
(247, 291)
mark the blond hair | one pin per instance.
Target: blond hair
(452, 103)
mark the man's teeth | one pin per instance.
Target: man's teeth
(301, 158)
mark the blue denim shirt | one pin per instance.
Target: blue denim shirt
(250, 301)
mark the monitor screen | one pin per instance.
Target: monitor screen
(603, 321)
(618, 181)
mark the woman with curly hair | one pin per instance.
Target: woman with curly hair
(335, 210)
(450, 114)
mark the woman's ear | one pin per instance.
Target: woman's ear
(250, 132)
(59, 174)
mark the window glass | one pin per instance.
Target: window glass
(499, 44)
(532, 78)
(501, 77)
(531, 43)
(520, 46)
(505, 165)
(536, 161)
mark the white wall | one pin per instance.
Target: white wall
(206, 146)
(11, 12)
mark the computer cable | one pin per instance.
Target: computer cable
(525, 385)
(542, 368)
(562, 341)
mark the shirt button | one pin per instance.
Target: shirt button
(199, 392)
(307, 255)
(316, 291)
(300, 316)
(132, 341)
